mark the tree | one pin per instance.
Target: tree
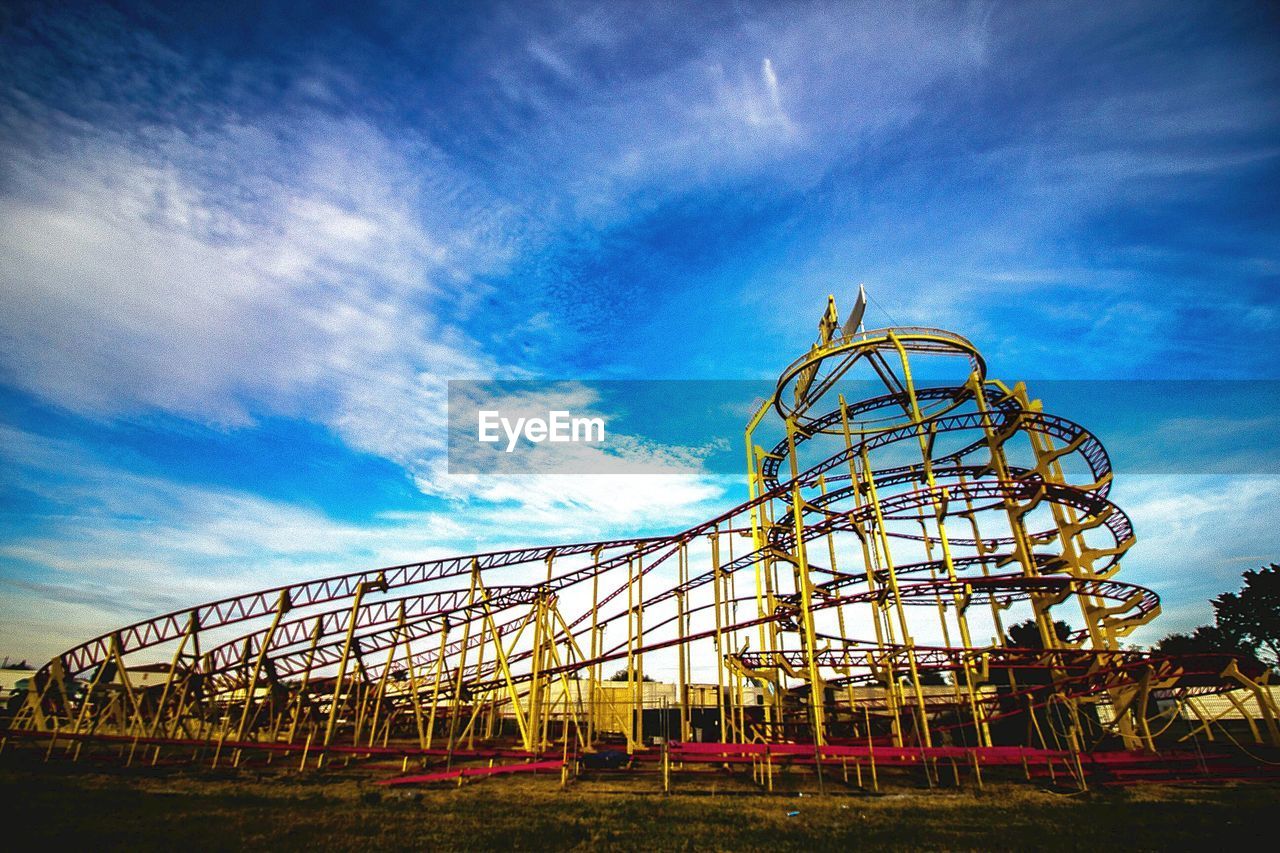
(621, 675)
(1026, 635)
(932, 678)
(1251, 617)
(1247, 623)
(1205, 640)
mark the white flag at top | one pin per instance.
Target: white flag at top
(855, 316)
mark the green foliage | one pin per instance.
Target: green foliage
(1247, 622)
(933, 679)
(1251, 617)
(621, 675)
(1026, 635)
(1205, 640)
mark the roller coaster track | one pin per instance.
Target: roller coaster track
(1015, 516)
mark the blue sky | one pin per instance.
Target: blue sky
(243, 250)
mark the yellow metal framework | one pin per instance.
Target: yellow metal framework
(904, 510)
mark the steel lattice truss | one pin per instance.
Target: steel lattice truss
(860, 599)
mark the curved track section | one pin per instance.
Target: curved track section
(927, 563)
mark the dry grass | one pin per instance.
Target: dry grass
(61, 804)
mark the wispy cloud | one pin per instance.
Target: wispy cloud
(1196, 535)
(113, 545)
(326, 225)
(217, 273)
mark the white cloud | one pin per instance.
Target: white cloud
(771, 81)
(124, 546)
(1196, 535)
(229, 263)
(217, 275)
(289, 262)
(783, 92)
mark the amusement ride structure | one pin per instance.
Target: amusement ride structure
(857, 611)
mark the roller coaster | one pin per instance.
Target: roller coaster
(856, 611)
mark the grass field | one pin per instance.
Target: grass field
(64, 805)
